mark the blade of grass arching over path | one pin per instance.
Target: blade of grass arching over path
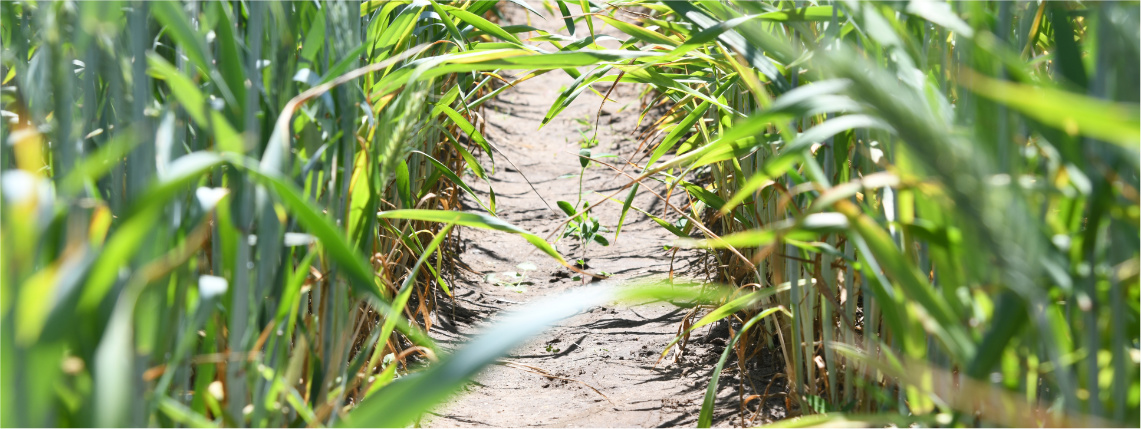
(474, 220)
(497, 59)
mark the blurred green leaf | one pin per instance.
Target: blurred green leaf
(1072, 113)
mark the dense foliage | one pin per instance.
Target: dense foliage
(931, 210)
(950, 191)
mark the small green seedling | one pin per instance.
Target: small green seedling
(583, 227)
(587, 141)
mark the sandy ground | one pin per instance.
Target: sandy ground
(606, 358)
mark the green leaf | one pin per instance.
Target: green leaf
(687, 123)
(663, 223)
(474, 220)
(469, 129)
(625, 208)
(805, 228)
(504, 59)
(710, 199)
(572, 92)
(226, 137)
(386, 42)
(229, 61)
(98, 163)
(404, 186)
(171, 15)
(447, 172)
(472, 163)
(182, 414)
(139, 224)
(315, 39)
(527, 6)
(451, 26)
(794, 103)
(567, 208)
(565, 11)
(482, 24)
(640, 33)
(793, 150)
(1010, 318)
(942, 322)
(940, 13)
(724, 32)
(1073, 113)
(809, 13)
(818, 404)
(332, 240)
(345, 64)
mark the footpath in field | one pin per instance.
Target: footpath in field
(600, 368)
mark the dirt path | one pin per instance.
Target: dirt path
(612, 349)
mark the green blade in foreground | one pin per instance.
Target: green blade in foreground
(402, 401)
(399, 403)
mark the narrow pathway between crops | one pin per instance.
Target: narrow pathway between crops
(612, 349)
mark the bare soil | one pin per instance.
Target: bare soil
(600, 368)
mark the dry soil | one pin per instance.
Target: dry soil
(600, 368)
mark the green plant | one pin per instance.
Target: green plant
(932, 208)
(586, 142)
(582, 225)
(224, 214)
(925, 166)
